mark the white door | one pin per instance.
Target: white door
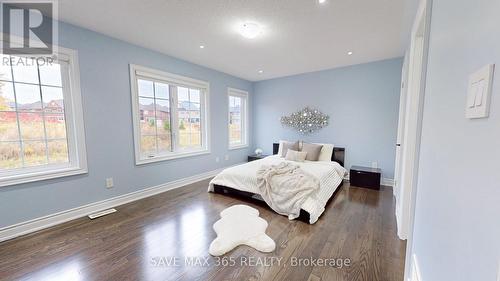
(400, 140)
(411, 138)
(410, 131)
(410, 150)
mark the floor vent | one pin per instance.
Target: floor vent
(101, 214)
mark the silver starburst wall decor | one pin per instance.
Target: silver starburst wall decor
(306, 121)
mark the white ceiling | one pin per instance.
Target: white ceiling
(299, 35)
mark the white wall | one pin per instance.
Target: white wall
(457, 229)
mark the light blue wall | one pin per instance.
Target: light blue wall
(457, 229)
(362, 101)
(105, 86)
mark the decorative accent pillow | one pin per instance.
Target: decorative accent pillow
(294, 155)
(313, 151)
(286, 145)
(326, 152)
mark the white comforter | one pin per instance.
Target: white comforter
(244, 177)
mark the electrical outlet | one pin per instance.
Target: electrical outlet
(375, 164)
(109, 183)
(226, 157)
(217, 159)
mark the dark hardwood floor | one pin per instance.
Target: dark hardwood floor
(150, 239)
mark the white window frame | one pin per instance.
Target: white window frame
(136, 72)
(244, 115)
(73, 114)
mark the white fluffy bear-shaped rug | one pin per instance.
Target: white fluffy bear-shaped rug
(240, 225)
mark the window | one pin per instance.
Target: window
(170, 115)
(238, 116)
(41, 120)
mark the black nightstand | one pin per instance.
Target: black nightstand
(256, 157)
(365, 177)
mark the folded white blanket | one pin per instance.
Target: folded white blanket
(285, 187)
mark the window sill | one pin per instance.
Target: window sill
(239, 146)
(40, 175)
(172, 156)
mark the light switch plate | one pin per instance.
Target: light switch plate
(479, 93)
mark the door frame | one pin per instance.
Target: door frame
(417, 71)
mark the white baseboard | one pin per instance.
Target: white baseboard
(498, 273)
(415, 270)
(387, 182)
(401, 234)
(33, 225)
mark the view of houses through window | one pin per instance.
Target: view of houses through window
(32, 116)
(237, 118)
(164, 129)
(154, 115)
(188, 111)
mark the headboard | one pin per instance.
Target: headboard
(337, 155)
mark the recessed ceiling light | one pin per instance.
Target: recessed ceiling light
(202, 47)
(261, 71)
(250, 30)
(349, 53)
(322, 1)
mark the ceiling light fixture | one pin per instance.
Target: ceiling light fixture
(261, 71)
(349, 53)
(250, 30)
(202, 47)
(322, 1)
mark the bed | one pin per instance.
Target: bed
(241, 180)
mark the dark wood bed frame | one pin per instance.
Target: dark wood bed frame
(337, 156)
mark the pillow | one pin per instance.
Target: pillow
(326, 152)
(280, 147)
(285, 146)
(294, 155)
(312, 150)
